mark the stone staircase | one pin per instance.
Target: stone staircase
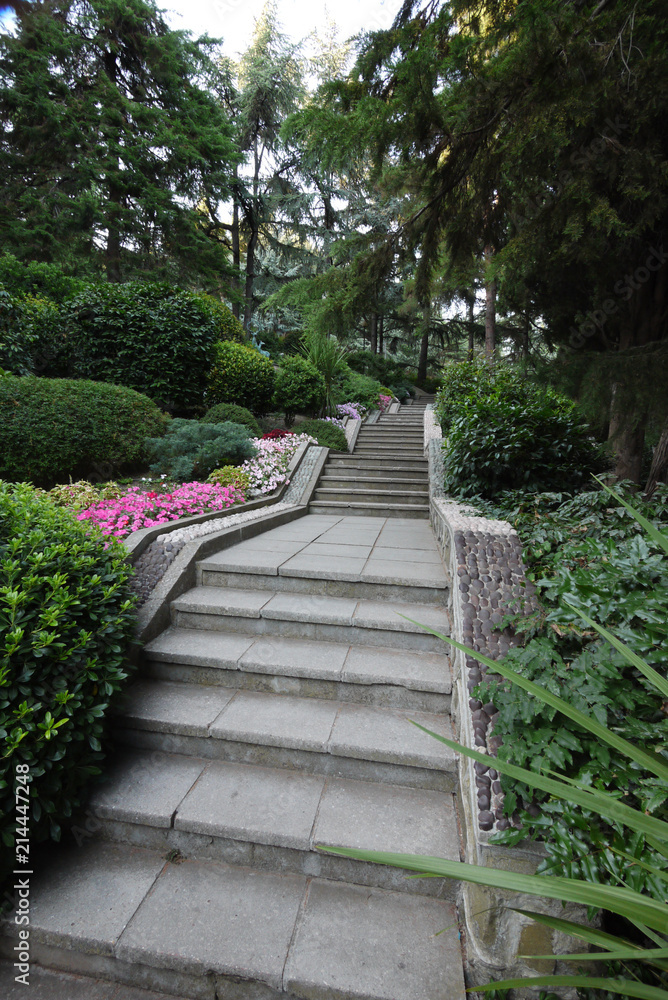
(272, 716)
(387, 473)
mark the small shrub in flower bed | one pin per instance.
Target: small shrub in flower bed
(268, 469)
(276, 435)
(192, 449)
(384, 402)
(136, 509)
(326, 434)
(230, 413)
(353, 410)
(231, 475)
(78, 496)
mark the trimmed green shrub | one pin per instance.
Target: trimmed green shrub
(327, 435)
(502, 432)
(66, 621)
(39, 279)
(228, 412)
(191, 450)
(362, 389)
(299, 388)
(231, 475)
(150, 337)
(240, 375)
(15, 346)
(55, 429)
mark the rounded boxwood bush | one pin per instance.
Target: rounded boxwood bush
(66, 622)
(326, 434)
(191, 449)
(54, 429)
(240, 375)
(503, 432)
(362, 389)
(299, 388)
(228, 412)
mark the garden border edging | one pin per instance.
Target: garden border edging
(483, 561)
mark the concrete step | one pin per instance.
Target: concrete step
(338, 619)
(331, 480)
(392, 446)
(368, 675)
(389, 495)
(368, 509)
(388, 454)
(357, 466)
(337, 739)
(381, 433)
(204, 929)
(271, 819)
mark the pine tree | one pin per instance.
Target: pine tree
(112, 132)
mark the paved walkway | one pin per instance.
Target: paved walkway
(272, 716)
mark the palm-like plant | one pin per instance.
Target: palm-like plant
(649, 916)
(328, 356)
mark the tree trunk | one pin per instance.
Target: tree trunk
(113, 248)
(236, 252)
(380, 334)
(424, 347)
(250, 277)
(658, 472)
(627, 436)
(490, 309)
(471, 333)
(524, 348)
(373, 333)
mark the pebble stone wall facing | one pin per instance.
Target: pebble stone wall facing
(152, 564)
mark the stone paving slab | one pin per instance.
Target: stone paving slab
(414, 669)
(145, 788)
(295, 657)
(46, 984)
(251, 561)
(388, 615)
(86, 896)
(369, 733)
(381, 817)
(355, 535)
(271, 720)
(324, 548)
(223, 601)
(187, 709)
(204, 916)
(374, 944)
(419, 555)
(318, 567)
(258, 804)
(199, 647)
(403, 573)
(311, 608)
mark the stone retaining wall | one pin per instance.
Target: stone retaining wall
(483, 558)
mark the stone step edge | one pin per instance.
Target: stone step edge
(407, 683)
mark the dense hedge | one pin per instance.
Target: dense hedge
(191, 449)
(299, 387)
(362, 389)
(153, 338)
(224, 412)
(502, 432)
(326, 434)
(240, 375)
(54, 429)
(66, 621)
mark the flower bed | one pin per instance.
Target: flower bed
(120, 516)
(268, 469)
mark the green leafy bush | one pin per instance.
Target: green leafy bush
(502, 432)
(240, 375)
(356, 388)
(66, 621)
(55, 429)
(383, 369)
(153, 338)
(192, 450)
(224, 412)
(38, 279)
(327, 435)
(15, 345)
(231, 475)
(299, 388)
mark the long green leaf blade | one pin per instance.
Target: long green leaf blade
(622, 954)
(657, 536)
(661, 683)
(592, 799)
(625, 902)
(623, 986)
(649, 761)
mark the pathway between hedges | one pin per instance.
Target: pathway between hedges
(273, 716)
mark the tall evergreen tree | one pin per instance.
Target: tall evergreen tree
(112, 131)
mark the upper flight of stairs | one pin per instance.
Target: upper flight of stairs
(274, 715)
(387, 474)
